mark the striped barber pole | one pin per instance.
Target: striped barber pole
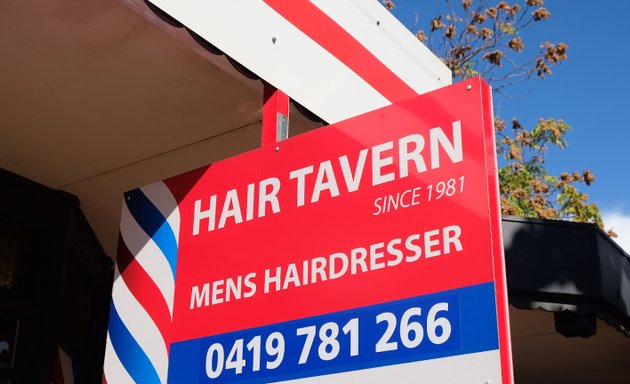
(137, 346)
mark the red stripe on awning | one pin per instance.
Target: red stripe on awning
(332, 37)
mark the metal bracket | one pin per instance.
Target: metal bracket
(275, 115)
(282, 127)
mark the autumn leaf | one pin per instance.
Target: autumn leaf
(494, 57)
(486, 33)
(516, 44)
(451, 31)
(437, 24)
(541, 14)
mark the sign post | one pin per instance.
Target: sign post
(366, 251)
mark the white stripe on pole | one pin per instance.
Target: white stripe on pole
(162, 198)
(149, 255)
(141, 327)
(114, 371)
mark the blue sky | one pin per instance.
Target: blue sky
(590, 91)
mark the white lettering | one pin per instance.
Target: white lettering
(231, 208)
(417, 251)
(375, 255)
(208, 214)
(249, 215)
(250, 285)
(216, 291)
(337, 270)
(292, 277)
(353, 181)
(272, 279)
(430, 241)
(453, 149)
(198, 299)
(397, 253)
(270, 197)
(318, 268)
(300, 174)
(406, 155)
(358, 256)
(325, 181)
(451, 236)
(378, 162)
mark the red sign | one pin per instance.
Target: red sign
(376, 240)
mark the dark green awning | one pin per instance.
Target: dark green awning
(572, 269)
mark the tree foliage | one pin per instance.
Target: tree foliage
(476, 37)
(527, 189)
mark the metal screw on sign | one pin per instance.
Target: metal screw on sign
(469, 87)
(277, 149)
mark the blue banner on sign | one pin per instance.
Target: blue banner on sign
(449, 323)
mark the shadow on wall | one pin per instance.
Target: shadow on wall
(55, 283)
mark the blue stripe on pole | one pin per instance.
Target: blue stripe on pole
(154, 224)
(129, 352)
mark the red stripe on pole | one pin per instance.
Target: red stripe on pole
(149, 296)
(332, 37)
(144, 290)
